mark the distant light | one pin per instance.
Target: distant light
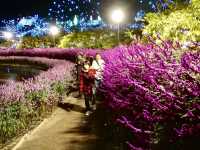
(75, 20)
(117, 16)
(54, 30)
(8, 35)
(99, 18)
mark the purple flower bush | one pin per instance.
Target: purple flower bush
(15, 91)
(153, 95)
(53, 53)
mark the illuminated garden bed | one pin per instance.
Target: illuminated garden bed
(23, 102)
(154, 96)
(157, 98)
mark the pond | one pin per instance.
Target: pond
(19, 70)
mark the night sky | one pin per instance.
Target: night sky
(14, 8)
(17, 8)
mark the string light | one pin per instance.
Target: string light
(72, 8)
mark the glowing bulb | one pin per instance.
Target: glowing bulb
(75, 20)
(8, 35)
(117, 16)
(54, 30)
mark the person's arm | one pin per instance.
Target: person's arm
(101, 63)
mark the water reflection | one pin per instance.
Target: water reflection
(19, 71)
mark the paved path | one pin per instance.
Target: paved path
(67, 129)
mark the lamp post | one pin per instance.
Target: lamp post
(117, 17)
(54, 30)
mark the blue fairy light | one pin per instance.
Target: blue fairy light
(74, 7)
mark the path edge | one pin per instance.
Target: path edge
(31, 132)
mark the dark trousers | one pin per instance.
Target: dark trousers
(94, 91)
(88, 99)
(78, 69)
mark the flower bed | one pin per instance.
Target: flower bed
(153, 96)
(23, 102)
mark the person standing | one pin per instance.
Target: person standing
(87, 76)
(98, 65)
(79, 65)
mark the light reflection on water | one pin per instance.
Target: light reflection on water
(18, 71)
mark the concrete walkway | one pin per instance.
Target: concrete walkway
(67, 129)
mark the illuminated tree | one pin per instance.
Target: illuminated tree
(177, 24)
(160, 5)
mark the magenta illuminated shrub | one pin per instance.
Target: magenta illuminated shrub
(53, 53)
(153, 96)
(15, 91)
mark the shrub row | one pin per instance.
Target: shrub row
(153, 96)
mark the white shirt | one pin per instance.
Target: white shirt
(99, 67)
